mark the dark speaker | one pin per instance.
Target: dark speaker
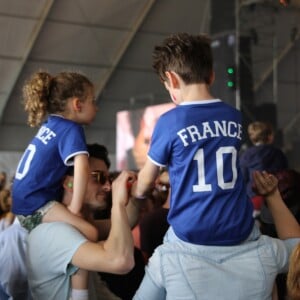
(223, 48)
(222, 16)
(222, 27)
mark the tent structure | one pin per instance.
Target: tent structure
(111, 42)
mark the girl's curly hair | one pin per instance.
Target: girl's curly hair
(44, 94)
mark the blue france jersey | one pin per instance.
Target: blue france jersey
(199, 142)
(39, 174)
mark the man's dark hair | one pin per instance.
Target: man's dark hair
(100, 152)
(97, 151)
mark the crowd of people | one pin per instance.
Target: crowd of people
(199, 220)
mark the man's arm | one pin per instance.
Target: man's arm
(286, 224)
(115, 255)
(135, 204)
(133, 210)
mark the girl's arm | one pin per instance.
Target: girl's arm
(81, 173)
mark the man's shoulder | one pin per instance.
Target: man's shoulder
(53, 229)
(50, 240)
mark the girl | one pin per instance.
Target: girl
(67, 100)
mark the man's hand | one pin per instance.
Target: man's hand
(265, 184)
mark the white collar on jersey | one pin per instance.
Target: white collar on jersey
(200, 102)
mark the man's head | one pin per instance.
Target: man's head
(99, 152)
(99, 184)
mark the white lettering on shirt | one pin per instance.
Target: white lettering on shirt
(193, 133)
(45, 135)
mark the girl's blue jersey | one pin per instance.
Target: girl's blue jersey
(39, 174)
(199, 142)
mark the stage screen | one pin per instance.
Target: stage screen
(134, 131)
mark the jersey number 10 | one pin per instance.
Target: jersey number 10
(202, 186)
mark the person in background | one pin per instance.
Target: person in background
(262, 155)
(67, 102)
(6, 216)
(13, 271)
(134, 130)
(144, 132)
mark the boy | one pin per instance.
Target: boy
(199, 141)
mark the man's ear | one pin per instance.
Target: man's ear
(68, 183)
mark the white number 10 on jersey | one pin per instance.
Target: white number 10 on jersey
(202, 186)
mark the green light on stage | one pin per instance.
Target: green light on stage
(231, 77)
(230, 84)
(230, 70)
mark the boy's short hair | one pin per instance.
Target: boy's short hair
(190, 56)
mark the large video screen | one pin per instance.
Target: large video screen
(134, 131)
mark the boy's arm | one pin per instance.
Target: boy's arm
(146, 179)
(286, 224)
(81, 173)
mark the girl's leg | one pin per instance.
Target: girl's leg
(59, 213)
(80, 285)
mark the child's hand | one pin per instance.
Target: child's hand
(121, 186)
(130, 182)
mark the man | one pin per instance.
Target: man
(13, 274)
(57, 250)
